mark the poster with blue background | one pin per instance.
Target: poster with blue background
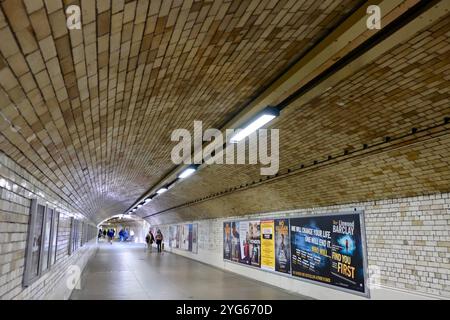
(329, 249)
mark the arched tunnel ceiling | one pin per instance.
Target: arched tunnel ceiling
(90, 112)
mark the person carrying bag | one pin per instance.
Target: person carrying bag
(159, 240)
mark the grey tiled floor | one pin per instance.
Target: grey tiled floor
(129, 271)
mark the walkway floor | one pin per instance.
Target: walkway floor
(129, 271)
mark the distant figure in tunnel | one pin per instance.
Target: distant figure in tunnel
(100, 233)
(110, 235)
(149, 239)
(159, 240)
(131, 235)
(123, 235)
(104, 233)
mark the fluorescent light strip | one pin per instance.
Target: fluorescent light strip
(187, 172)
(162, 190)
(147, 200)
(252, 127)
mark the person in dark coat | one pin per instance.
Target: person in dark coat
(159, 240)
(149, 239)
(110, 235)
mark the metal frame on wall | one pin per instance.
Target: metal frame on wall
(54, 237)
(361, 214)
(28, 278)
(47, 239)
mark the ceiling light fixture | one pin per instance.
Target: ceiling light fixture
(262, 118)
(162, 190)
(187, 172)
(147, 200)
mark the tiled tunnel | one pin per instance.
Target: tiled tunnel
(285, 150)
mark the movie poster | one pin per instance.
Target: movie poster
(282, 246)
(235, 241)
(190, 238)
(267, 245)
(185, 237)
(227, 240)
(250, 243)
(178, 237)
(329, 249)
(172, 236)
(195, 238)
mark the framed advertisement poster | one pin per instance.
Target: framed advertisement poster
(178, 237)
(250, 242)
(282, 246)
(235, 242)
(267, 245)
(185, 237)
(172, 236)
(195, 238)
(330, 250)
(227, 247)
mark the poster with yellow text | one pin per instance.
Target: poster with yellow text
(267, 245)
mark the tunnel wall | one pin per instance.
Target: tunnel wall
(17, 188)
(408, 239)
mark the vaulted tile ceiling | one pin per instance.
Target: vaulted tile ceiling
(90, 112)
